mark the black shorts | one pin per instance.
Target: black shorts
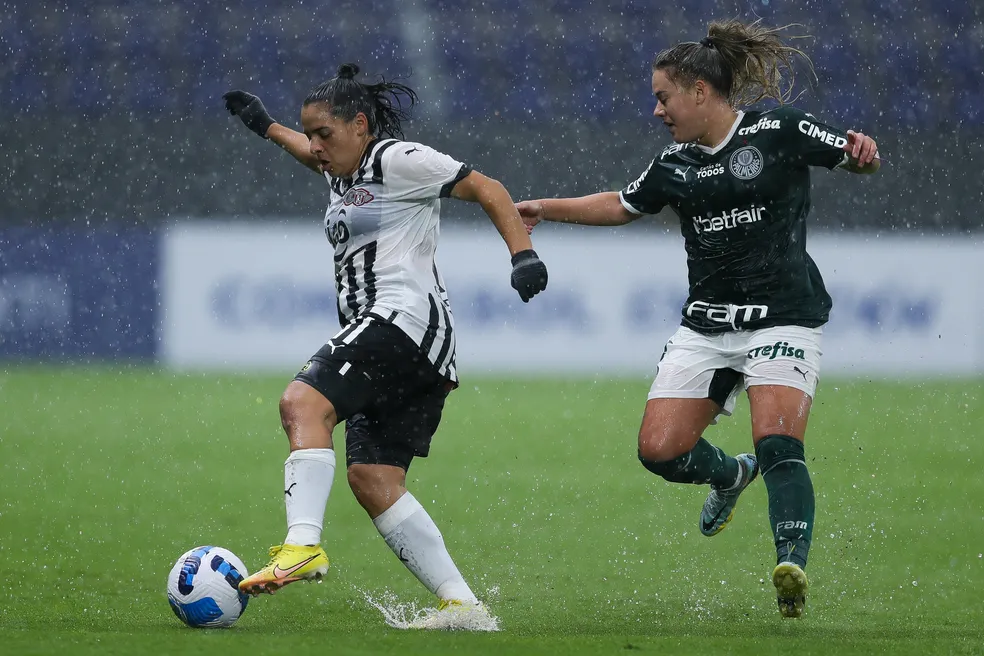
(385, 389)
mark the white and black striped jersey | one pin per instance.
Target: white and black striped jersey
(384, 224)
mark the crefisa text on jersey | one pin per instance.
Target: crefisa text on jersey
(828, 138)
(728, 219)
(763, 124)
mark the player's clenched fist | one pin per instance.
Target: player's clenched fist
(250, 109)
(531, 211)
(529, 274)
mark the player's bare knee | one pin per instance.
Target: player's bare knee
(659, 445)
(302, 405)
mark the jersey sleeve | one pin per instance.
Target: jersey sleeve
(647, 194)
(413, 171)
(813, 142)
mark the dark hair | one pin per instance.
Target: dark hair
(385, 104)
(745, 63)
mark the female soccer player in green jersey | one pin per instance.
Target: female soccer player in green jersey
(740, 183)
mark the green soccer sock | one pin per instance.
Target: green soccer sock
(705, 463)
(792, 504)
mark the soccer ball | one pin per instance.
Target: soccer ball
(203, 587)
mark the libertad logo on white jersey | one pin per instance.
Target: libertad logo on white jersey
(728, 219)
(746, 163)
(357, 196)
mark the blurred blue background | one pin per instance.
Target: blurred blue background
(113, 109)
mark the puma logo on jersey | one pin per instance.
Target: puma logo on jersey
(412, 150)
(682, 173)
(357, 197)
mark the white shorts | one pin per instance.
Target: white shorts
(698, 366)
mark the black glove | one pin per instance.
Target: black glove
(249, 108)
(529, 274)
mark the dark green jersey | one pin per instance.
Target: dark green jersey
(742, 209)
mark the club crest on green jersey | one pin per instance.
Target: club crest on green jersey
(746, 163)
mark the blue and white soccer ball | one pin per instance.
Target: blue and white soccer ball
(203, 587)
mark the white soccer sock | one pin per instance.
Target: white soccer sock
(308, 475)
(414, 538)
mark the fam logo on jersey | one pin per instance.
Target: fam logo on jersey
(728, 219)
(778, 349)
(675, 148)
(746, 163)
(357, 197)
(821, 135)
(763, 124)
(735, 315)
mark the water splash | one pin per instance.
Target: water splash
(408, 615)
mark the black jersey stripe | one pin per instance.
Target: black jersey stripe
(433, 322)
(377, 160)
(353, 288)
(446, 346)
(449, 185)
(368, 274)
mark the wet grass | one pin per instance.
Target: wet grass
(108, 475)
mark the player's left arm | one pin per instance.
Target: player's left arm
(812, 142)
(862, 154)
(529, 276)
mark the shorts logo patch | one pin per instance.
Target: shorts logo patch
(306, 366)
(779, 349)
(746, 163)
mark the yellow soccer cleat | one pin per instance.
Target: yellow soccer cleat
(288, 563)
(456, 615)
(791, 586)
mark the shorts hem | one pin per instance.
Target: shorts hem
(675, 394)
(803, 388)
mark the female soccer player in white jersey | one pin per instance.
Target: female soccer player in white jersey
(388, 371)
(740, 183)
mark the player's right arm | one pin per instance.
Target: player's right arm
(604, 209)
(646, 195)
(254, 115)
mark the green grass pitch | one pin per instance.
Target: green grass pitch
(108, 474)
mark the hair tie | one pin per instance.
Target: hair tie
(706, 42)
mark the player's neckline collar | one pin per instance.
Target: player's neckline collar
(716, 149)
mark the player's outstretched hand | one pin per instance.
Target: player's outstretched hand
(531, 211)
(529, 274)
(250, 109)
(861, 148)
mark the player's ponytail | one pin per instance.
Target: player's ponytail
(385, 104)
(744, 62)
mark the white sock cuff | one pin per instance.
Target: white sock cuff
(396, 514)
(326, 456)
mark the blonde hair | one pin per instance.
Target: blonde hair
(744, 62)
